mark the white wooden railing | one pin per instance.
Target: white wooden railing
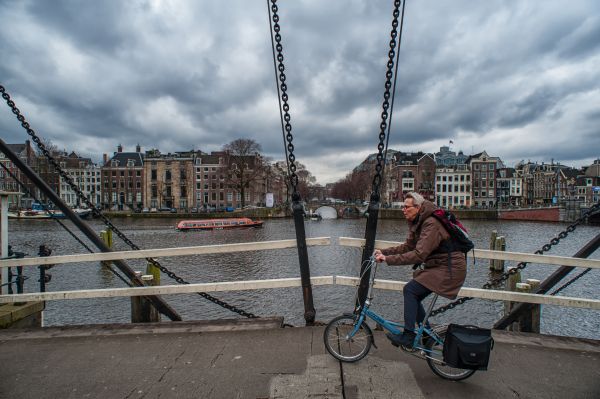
(286, 282)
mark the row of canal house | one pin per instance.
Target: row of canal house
(182, 180)
(136, 180)
(455, 180)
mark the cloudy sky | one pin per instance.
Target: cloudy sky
(519, 79)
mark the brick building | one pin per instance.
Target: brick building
(27, 155)
(122, 180)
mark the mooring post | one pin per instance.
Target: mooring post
(142, 310)
(511, 285)
(493, 237)
(530, 320)
(499, 245)
(106, 237)
(152, 269)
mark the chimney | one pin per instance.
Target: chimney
(104, 159)
(120, 148)
(137, 148)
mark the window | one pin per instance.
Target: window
(153, 174)
(168, 174)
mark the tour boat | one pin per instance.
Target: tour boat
(218, 224)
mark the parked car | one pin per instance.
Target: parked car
(194, 210)
(145, 210)
(153, 210)
(173, 210)
(164, 209)
(230, 209)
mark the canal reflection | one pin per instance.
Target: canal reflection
(329, 301)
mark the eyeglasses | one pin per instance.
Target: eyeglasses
(408, 207)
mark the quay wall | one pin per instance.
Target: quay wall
(537, 214)
(550, 214)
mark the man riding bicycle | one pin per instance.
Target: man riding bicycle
(437, 269)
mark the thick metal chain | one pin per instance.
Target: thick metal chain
(522, 265)
(98, 213)
(377, 179)
(284, 98)
(568, 283)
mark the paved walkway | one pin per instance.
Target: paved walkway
(247, 359)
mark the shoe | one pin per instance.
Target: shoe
(406, 339)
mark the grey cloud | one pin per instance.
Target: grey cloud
(200, 74)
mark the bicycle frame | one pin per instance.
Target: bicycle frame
(393, 327)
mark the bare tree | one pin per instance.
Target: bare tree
(245, 165)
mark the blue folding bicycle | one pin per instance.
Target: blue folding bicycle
(348, 338)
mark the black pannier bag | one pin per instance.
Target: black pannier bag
(468, 347)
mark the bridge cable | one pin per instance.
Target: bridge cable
(98, 213)
(522, 265)
(286, 129)
(374, 201)
(29, 193)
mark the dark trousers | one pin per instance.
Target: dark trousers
(414, 293)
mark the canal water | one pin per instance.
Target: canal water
(26, 236)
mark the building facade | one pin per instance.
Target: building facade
(85, 175)
(453, 186)
(27, 155)
(169, 180)
(122, 180)
(483, 177)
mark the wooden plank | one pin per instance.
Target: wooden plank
(499, 255)
(166, 289)
(494, 295)
(156, 253)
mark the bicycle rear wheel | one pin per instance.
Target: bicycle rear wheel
(340, 345)
(435, 360)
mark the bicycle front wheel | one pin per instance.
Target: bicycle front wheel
(339, 343)
(435, 360)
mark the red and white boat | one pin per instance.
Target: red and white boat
(218, 224)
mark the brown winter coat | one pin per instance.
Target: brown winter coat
(424, 237)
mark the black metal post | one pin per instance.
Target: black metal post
(547, 284)
(20, 279)
(158, 302)
(10, 281)
(42, 278)
(309, 308)
(370, 234)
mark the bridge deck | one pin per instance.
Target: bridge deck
(237, 360)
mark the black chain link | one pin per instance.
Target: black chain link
(568, 283)
(522, 265)
(284, 98)
(98, 213)
(377, 179)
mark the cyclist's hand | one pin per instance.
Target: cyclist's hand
(377, 252)
(380, 257)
